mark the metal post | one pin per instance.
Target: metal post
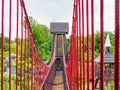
(2, 48)
(17, 26)
(101, 44)
(92, 31)
(87, 25)
(117, 45)
(83, 44)
(10, 27)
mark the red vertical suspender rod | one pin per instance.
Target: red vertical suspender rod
(117, 45)
(76, 42)
(72, 41)
(92, 30)
(17, 25)
(10, 26)
(25, 56)
(83, 44)
(80, 44)
(21, 47)
(2, 48)
(28, 57)
(101, 44)
(87, 25)
(32, 61)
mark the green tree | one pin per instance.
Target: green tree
(43, 38)
(5, 43)
(68, 44)
(97, 41)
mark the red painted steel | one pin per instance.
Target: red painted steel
(2, 46)
(17, 26)
(117, 46)
(75, 71)
(87, 25)
(21, 52)
(10, 27)
(51, 72)
(65, 65)
(25, 54)
(83, 44)
(77, 87)
(70, 66)
(28, 57)
(75, 41)
(101, 44)
(80, 45)
(39, 72)
(32, 63)
(92, 31)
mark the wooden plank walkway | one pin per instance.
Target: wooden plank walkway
(58, 79)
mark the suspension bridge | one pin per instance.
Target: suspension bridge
(75, 73)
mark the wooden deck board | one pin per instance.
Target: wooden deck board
(58, 79)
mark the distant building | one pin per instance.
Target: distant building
(59, 27)
(108, 62)
(108, 56)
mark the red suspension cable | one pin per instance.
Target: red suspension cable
(32, 62)
(102, 44)
(2, 48)
(77, 47)
(21, 57)
(17, 26)
(83, 44)
(117, 46)
(80, 44)
(28, 57)
(92, 29)
(25, 55)
(87, 25)
(25, 51)
(10, 27)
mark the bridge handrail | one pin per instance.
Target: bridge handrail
(30, 29)
(64, 61)
(54, 52)
(51, 63)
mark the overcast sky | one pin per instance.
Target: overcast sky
(46, 11)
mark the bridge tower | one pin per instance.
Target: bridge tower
(59, 29)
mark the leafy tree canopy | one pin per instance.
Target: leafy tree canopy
(97, 41)
(43, 38)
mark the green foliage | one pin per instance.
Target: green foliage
(43, 38)
(5, 43)
(6, 82)
(68, 44)
(110, 86)
(97, 41)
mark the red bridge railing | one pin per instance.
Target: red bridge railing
(30, 71)
(80, 76)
